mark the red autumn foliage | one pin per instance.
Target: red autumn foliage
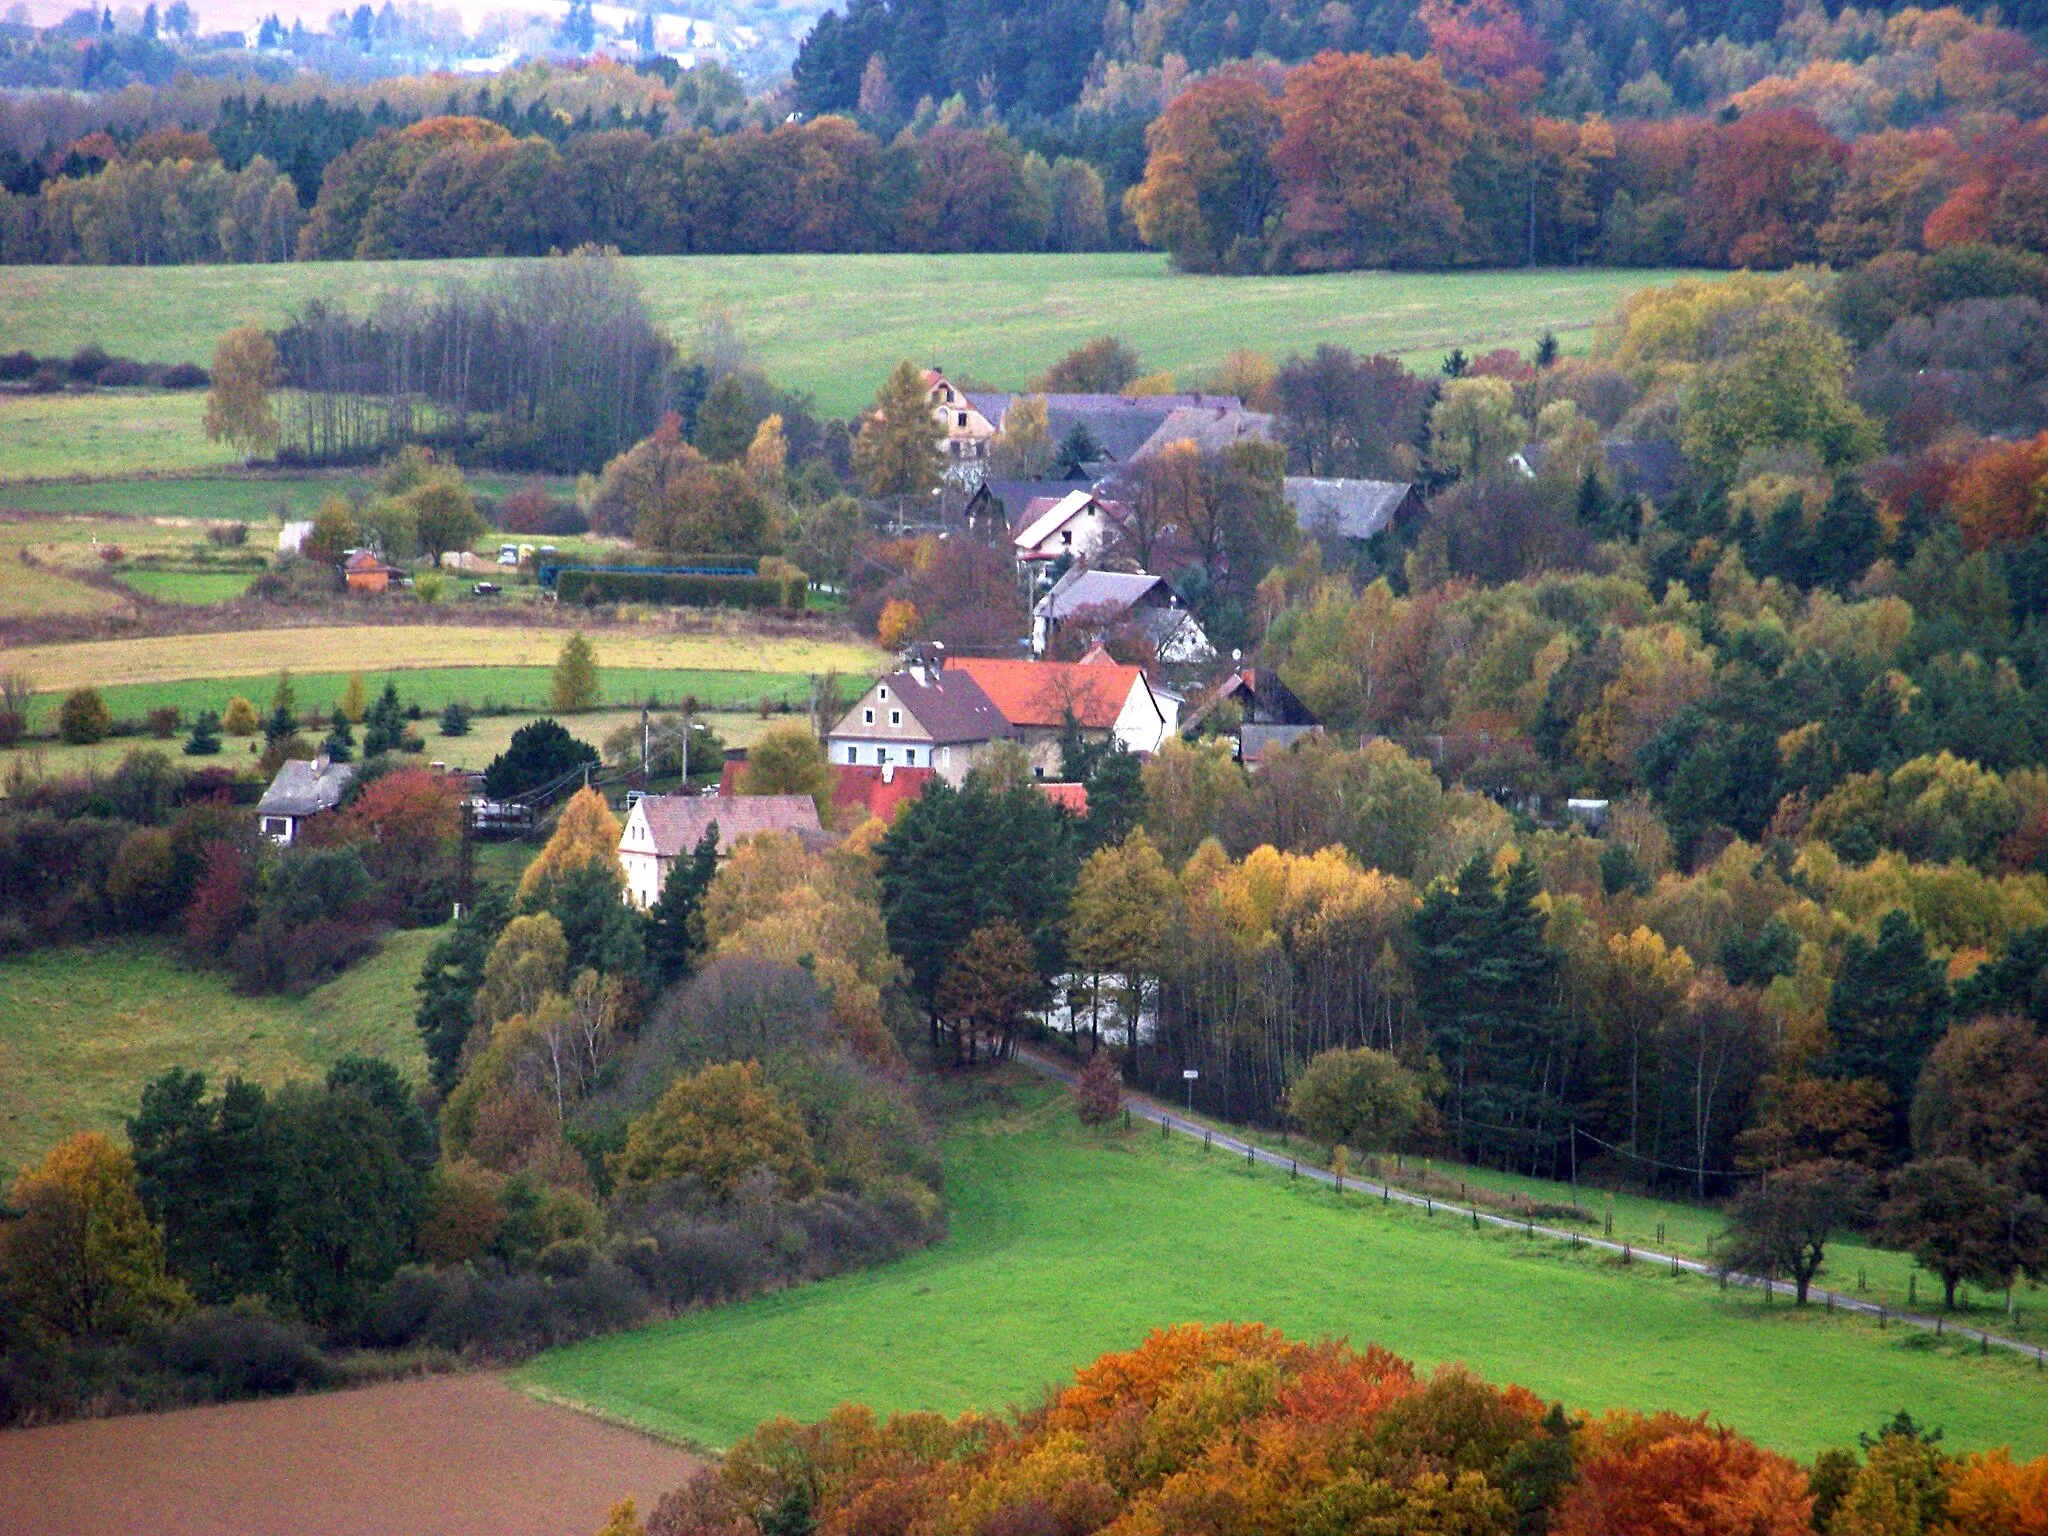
(1762, 189)
(1670, 1476)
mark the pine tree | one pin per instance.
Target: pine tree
(1889, 1006)
(1116, 798)
(675, 926)
(340, 744)
(897, 452)
(384, 723)
(449, 980)
(205, 739)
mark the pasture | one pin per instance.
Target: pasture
(1066, 1243)
(113, 432)
(83, 1027)
(381, 648)
(832, 325)
(262, 495)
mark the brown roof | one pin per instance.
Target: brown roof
(1039, 693)
(678, 821)
(950, 705)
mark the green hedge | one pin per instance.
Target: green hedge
(684, 591)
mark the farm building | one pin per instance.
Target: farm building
(663, 828)
(301, 791)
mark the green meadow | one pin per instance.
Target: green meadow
(1067, 1243)
(832, 325)
(82, 1028)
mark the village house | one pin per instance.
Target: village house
(1076, 527)
(663, 828)
(301, 791)
(1108, 599)
(1118, 426)
(1105, 699)
(365, 571)
(968, 432)
(919, 717)
(1270, 717)
(1337, 513)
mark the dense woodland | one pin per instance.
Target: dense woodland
(1469, 135)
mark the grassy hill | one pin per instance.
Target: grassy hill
(83, 1028)
(828, 324)
(1065, 1244)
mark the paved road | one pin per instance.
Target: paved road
(1160, 1114)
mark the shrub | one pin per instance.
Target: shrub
(184, 376)
(1099, 1093)
(592, 587)
(87, 361)
(121, 373)
(243, 1352)
(12, 725)
(17, 365)
(84, 717)
(241, 718)
(163, 722)
(455, 719)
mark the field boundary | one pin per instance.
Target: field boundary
(1154, 1113)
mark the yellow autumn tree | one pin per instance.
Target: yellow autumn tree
(717, 1126)
(587, 833)
(81, 1257)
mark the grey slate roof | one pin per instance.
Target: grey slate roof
(1120, 424)
(1081, 588)
(678, 821)
(1353, 509)
(300, 790)
(949, 705)
(1255, 741)
(1208, 427)
(1015, 495)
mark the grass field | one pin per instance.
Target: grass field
(199, 588)
(83, 1028)
(488, 736)
(118, 433)
(374, 648)
(1065, 1244)
(237, 497)
(26, 592)
(834, 324)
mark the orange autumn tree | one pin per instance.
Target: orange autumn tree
(1234, 1427)
(1209, 180)
(1366, 152)
(2001, 496)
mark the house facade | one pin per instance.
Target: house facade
(663, 828)
(968, 431)
(919, 717)
(301, 791)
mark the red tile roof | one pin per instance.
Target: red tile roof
(1071, 797)
(876, 791)
(1039, 693)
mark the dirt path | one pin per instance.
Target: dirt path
(448, 1456)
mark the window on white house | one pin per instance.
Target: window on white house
(867, 717)
(910, 756)
(963, 418)
(853, 754)
(1066, 535)
(881, 754)
(895, 717)
(882, 692)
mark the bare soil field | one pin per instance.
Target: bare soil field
(451, 1455)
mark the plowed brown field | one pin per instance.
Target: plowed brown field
(449, 1456)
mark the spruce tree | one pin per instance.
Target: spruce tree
(449, 980)
(340, 743)
(384, 723)
(675, 926)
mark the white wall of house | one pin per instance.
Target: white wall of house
(1146, 719)
(644, 869)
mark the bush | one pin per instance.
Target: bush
(455, 719)
(241, 718)
(12, 725)
(680, 590)
(121, 373)
(84, 718)
(243, 1352)
(163, 722)
(87, 361)
(17, 365)
(45, 381)
(184, 376)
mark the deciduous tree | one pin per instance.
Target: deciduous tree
(238, 406)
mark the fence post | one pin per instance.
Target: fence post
(1294, 1168)
(1429, 1207)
